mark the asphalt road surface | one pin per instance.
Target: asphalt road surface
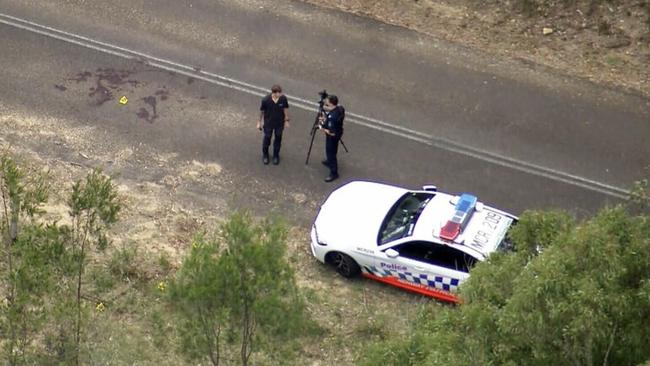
(420, 111)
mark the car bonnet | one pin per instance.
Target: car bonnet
(353, 213)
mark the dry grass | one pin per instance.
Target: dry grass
(134, 325)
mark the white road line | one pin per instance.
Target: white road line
(308, 105)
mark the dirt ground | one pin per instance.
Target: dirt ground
(164, 204)
(608, 44)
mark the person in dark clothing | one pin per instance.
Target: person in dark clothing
(332, 125)
(274, 118)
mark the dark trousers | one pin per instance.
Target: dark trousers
(331, 148)
(277, 142)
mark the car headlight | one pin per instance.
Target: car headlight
(319, 241)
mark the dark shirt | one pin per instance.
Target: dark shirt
(274, 112)
(334, 121)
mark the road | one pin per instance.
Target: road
(420, 111)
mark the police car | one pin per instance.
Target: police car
(419, 240)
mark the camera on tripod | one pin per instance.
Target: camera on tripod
(317, 123)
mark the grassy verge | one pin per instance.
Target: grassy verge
(132, 324)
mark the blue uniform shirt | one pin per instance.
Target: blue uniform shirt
(334, 121)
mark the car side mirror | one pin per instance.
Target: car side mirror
(430, 188)
(392, 253)
(454, 200)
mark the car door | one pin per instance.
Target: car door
(423, 267)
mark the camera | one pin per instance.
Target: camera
(317, 124)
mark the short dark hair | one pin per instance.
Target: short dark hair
(276, 89)
(333, 99)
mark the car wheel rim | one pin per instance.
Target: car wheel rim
(342, 265)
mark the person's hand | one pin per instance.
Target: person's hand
(259, 126)
(286, 123)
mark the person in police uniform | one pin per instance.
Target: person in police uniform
(274, 118)
(331, 123)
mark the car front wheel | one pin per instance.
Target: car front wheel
(344, 264)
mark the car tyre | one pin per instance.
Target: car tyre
(344, 264)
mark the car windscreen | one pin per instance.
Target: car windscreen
(401, 218)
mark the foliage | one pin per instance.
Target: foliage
(124, 264)
(94, 207)
(583, 299)
(23, 273)
(236, 289)
(42, 263)
(639, 200)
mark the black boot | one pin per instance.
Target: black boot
(331, 177)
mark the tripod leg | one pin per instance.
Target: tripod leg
(344, 147)
(311, 144)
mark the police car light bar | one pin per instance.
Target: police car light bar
(464, 210)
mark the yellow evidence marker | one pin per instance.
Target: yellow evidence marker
(123, 100)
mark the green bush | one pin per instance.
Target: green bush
(124, 263)
(583, 298)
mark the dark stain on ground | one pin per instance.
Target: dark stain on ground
(151, 100)
(190, 80)
(144, 114)
(163, 94)
(101, 93)
(109, 81)
(110, 78)
(82, 76)
(106, 80)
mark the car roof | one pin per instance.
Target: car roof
(433, 217)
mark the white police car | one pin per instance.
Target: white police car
(423, 241)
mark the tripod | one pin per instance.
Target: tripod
(317, 125)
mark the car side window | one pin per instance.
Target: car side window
(436, 254)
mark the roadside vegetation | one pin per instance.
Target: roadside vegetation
(235, 293)
(604, 41)
(573, 292)
(71, 296)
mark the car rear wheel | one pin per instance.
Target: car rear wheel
(344, 264)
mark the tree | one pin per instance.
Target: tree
(23, 276)
(197, 296)
(236, 288)
(573, 293)
(94, 207)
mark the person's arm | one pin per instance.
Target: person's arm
(260, 122)
(328, 132)
(286, 117)
(335, 117)
(323, 119)
(286, 111)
